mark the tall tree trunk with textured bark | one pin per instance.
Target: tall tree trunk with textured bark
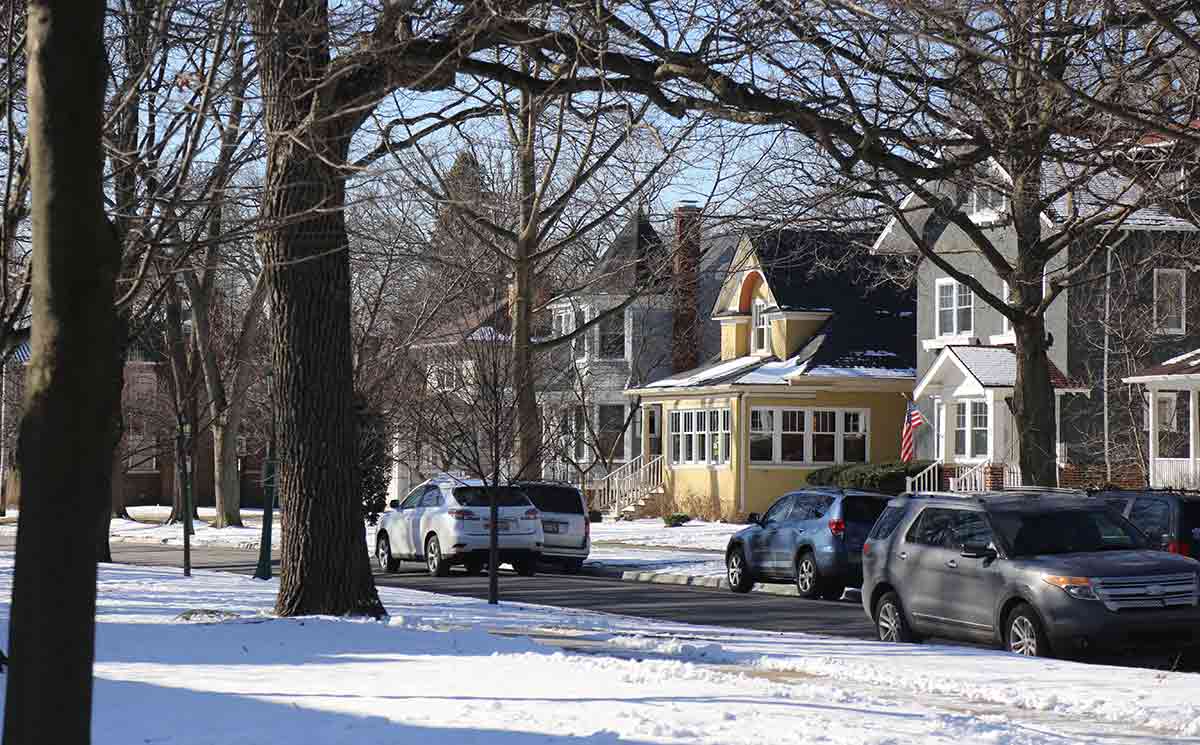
(529, 430)
(303, 241)
(68, 427)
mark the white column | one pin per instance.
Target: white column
(1059, 450)
(1153, 393)
(1194, 435)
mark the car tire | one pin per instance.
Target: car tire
(833, 591)
(809, 583)
(1024, 634)
(383, 554)
(473, 566)
(526, 567)
(573, 566)
(737, 571)
(891, 625)
(434, 561)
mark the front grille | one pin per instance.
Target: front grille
(1146, 593)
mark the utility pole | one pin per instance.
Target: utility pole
(264, 548)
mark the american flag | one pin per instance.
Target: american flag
(912, 420)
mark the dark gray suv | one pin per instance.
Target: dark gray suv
(1040, 574)
(812, 537)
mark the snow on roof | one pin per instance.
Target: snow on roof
(706, 375)
(772, 373)
(863, 372)
(1187, 364)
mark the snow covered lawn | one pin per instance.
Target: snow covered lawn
(456, 671)
(697, 534)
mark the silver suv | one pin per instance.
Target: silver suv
(1039, 573)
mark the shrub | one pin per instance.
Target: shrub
(888, 478)
(677, 519)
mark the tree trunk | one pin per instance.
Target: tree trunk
(1033, 404)
(227, 483)
(325, 567)
(529, 431)
(68, 427)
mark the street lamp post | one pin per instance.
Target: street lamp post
(185, 434)
(264, 548)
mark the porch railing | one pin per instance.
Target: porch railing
(627, 484)
(929, 479)
(1012, 476)
(1176, 473)
(972, 479)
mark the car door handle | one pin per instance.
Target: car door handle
(902, 555)
(953, 564)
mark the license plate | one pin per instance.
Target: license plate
(500, 525)
(550, 527)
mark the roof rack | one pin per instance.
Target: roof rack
(963, 496)
(1045, 490)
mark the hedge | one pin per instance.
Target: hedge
(888, 478)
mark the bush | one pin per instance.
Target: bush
(888, 478)
(677, 519)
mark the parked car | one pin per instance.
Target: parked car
(565, 524)
(812, 537)
(1170, 519)
(1039, 574)
(447, 522)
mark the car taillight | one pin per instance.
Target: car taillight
(532, 514)
(462, 515)
(867, 548)
(1177, 547)
(837, 526)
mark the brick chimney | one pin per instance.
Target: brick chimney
(685, 337)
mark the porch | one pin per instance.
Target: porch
(1173, 396)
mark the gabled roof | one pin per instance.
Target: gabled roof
(1184, 368)
(636, 254)
(796, 266)
(990, 367)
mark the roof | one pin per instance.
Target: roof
(992, 367)
(1184, 367)
(637, 252)
(792, 259)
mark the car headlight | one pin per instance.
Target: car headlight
(1076, 587)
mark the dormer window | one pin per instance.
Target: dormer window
(761, 329)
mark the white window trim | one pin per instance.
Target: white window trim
(955, 333)
(701, 457)
(839, 434)
(1163, 397)
(987, 214)
(1182, 274)
(758, 314)
(625, 345)
(952, 430)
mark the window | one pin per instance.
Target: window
(969, 529)
(804, 507)
(654, 429)
(971, 429)
(955, 308)
(579, 343)
(1170, 300)
(761, 343)
(932, 528)
(1168, 408)
(611, 431)
(578, 432)
(141, 451)
(779, 511)
(612, 336)
(887, 523)
(792, 439)
(413, 499)
(988, 200)
(700, 436)
(794, 436)
(1153, 516)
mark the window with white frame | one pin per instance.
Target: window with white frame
(700, 437)
(578, 431)
(987, 200)
(971, 429)
(760, 328)
(1168, 407)
(611, 334)
(794, 436)
(955, 308)
(1170, 300)
(610, 434)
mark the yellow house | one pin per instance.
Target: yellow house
(813, 371)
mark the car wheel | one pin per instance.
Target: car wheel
(438, 567)
(383, 554)
(526, 567)
(1023, 633)
(573, 566)
(890, 622)
(737, 572)
(808, 576)
(473, 566)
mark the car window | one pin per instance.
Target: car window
(553, 498)
(1117, 504)
(413, 499)
(932, 528)
(1153, 516)
(821, 505)
(858, 508)
(1065, 532)
(432, 498)
(969, 529)
(886, 524)
(779, 510)
(802, 507)
(1189, 525)
(478, 496)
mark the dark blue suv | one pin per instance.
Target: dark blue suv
(813, 537)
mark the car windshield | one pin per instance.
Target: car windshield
(560, 499)
(1065, 532)
(478, 496)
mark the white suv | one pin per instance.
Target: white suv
(446, 521)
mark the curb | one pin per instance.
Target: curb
(668, 578)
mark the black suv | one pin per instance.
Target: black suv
(812, 537)
(1171, 519)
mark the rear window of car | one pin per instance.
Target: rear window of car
(1065, 532)
(862, 509)
(480, 496)
(887, 522)
(560, 499)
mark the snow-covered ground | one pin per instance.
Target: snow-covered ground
(454, 670)
(697, 534)
(657, 560)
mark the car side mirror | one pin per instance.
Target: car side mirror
(394, 504)
(979, 551)
(754, 519)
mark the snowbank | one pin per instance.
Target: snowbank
(696, 534)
